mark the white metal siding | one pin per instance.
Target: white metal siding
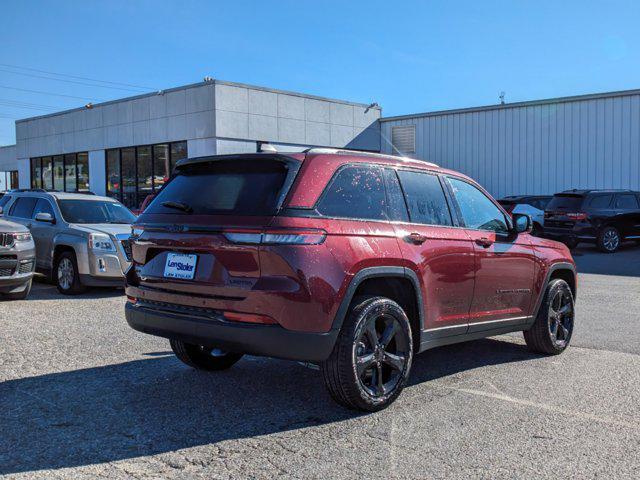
(535, 149)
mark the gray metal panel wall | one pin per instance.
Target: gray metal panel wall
(535, 149)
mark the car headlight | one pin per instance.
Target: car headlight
(22, 237)
(101, 242)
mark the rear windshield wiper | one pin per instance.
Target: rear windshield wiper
(178, 206)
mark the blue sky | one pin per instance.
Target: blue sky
(407, 56)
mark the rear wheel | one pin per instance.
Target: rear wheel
(553, 327)
(609, 239)
(371, 360)
(203, 358)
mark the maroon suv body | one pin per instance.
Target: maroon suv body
(353, 261)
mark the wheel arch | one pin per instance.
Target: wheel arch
(388, 281)
(562, 270)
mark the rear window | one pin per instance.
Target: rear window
(234, 187)
(565, 202)
(23, 207)
(95, 212)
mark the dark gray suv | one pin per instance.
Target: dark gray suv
(17, 259)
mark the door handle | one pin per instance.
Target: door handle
(484, 242)
(416, 238)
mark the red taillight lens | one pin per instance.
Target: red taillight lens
(131, 299)
(249, 318)
(577, 216)
(277, 237)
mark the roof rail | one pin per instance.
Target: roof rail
(39, 190)
(338, 151)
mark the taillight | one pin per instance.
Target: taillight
(577, 216)
(277, 237)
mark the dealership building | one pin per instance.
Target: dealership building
(127, 148)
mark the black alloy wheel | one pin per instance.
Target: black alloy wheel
(371, 360)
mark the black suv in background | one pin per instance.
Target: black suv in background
(603, 217)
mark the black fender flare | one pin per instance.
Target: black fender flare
(377, 272)
(553, 268)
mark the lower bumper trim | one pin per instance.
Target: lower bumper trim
(264, 340)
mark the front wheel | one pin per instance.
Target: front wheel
(66, 275)
(370, 363)
(553, 327)
(203, 358)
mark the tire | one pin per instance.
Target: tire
(203, 358)
(376, 331)
(20, 295)
(66, 276)
(571, 243)
(540, 338)
(609, 239)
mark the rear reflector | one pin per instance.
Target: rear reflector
(249, 318)
(278, 237)
(132, 299)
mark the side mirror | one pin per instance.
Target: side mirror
(1, 210)
(45, 217)
(522, 223)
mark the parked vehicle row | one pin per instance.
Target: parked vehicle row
(349, 260)
(605, 218)
(80, 240)
(17, 259)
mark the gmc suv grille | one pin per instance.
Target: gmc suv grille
(6, 239)
(126, 247)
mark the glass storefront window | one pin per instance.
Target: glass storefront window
(135, 172)
(161, 165)
(82, 170)
(145, 173)
(58, 173)
(47, 173)
(128, 170)
(69, 172)
(70, 184)
(36, 173)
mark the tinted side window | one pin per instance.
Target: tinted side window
(395, 198)
(600, 201)
(43, 206)
(477, 210)
(425, 198)
(356, 192)
(23, 207)
(627, 201)
(4, 200)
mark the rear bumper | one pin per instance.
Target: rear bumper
(581, 234)
(264, 340)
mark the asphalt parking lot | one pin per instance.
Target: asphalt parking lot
(83, 396)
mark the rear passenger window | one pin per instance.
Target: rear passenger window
(395, 199)
(425, 198)
(4, 200)
(356, 192)
(627, 202)
(23, 207)
(600, 201)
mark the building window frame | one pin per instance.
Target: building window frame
(154, 188)
(38, 162)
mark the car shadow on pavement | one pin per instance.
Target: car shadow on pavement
(44, 291)
(156, 405)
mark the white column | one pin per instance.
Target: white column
(24, 172)
(97, 172)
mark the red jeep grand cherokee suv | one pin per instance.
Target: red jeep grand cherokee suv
(351, 260)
